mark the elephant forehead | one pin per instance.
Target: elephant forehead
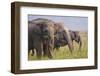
(38, 20)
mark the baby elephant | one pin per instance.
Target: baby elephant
(61, 41)
(75, 36)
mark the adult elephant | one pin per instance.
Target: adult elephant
(62, 37)
(41, 37)
(34, 39)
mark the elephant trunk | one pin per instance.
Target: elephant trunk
(68, 39)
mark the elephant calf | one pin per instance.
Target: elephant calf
(75, 36)
(61, 41)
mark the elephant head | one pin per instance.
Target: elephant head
(62, 36)
(46, 27)
(76, 36)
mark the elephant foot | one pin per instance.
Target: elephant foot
(44, 54)
(39, 57)
(50, 57)
(32, 54)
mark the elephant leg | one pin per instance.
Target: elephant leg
(80, 43)
(70, 45)
(38, 53)
(47, 50)
(32, 52)
(29, 52)
(44, 50)
(39, 50)
(50, 48)
(49, 53)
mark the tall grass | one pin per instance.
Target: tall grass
(64, 52)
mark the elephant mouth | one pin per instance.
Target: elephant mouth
(45, 35)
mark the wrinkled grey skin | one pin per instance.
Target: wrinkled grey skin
(62, 38)
(61, 41)
(41, 37)
(44, 35)
(75, 36)
(34, 39)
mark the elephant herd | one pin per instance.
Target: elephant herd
(45, 35)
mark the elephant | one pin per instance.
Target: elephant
(41, 37)
(75, 36)
(62, 37)
(44, 35)
(61, 33)
(61, 41)
(34, 39)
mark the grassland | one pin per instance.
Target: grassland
(64, 53)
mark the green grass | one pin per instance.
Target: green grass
(64, 53)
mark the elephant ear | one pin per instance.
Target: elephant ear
(58, 27)
(35, 29)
